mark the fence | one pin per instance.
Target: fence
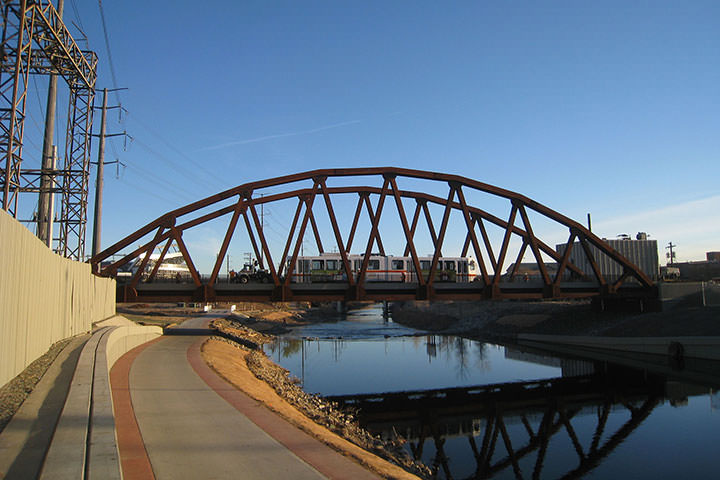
(43, 297)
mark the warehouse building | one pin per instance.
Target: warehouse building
(640, 251)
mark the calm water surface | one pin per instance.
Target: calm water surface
(528, 415)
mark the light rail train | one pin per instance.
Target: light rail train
(328, 267)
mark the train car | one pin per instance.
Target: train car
(328, 267)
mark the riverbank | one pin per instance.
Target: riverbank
(504, 320)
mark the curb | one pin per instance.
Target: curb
(84, 444)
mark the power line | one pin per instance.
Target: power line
(158, 181)
(135, 186)
(107, 46)
(218, 181)
(77, 15)
(190, 175)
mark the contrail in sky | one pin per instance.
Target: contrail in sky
(279, 135)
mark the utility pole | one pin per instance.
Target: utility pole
(671, 255)
(97, 220)
(51, 201)
(44, 217)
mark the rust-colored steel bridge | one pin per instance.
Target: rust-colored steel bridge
(555, 275)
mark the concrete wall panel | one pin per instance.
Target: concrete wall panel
(43, 298)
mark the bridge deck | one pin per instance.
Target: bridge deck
(372, 291)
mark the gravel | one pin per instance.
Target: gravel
(14, 393)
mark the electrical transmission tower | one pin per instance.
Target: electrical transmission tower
(35, 41)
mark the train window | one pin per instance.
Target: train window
(374, 264)
(358, 265)
(450, 265)
(424, 264)
(318, 265)
(398, 264)
(304, 266)
(332, 264)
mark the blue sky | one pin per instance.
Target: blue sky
(602, 107)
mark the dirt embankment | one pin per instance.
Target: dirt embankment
(278, 318)
(505, 319)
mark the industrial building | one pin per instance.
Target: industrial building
(640, 251)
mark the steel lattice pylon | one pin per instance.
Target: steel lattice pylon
(35, 41)
(244, 202)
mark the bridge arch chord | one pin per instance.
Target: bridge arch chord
(312, 191)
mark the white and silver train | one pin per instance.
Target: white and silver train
(328, 267)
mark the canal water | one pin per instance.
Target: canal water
(471, 409)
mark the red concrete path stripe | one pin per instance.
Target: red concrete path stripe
(133, 456)
(321, 457)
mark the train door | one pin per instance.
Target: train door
(397, 270)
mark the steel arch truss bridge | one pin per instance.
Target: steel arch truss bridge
(486, 230)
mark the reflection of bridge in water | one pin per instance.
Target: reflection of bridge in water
(546, 409)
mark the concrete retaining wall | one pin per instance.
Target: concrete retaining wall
(43, 298)
(123, 339)
(707, 348)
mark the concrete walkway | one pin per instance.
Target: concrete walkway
(191, 429)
